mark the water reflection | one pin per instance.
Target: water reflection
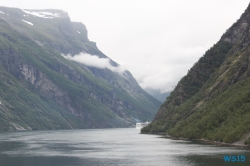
(107, 147)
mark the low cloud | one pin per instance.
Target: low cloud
(94, 61)
(163, 69)
(164, 79)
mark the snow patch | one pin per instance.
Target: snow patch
(78, 32)
(2, 12)
(43, 14)
(27, 22)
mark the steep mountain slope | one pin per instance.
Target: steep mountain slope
(41, 89)
(213, 100)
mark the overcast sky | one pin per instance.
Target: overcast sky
(156, 40)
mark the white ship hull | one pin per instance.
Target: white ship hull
(138, 127)
(141, 125)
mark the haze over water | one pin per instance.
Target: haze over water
(108, 147)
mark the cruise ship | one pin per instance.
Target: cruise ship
(141, 125)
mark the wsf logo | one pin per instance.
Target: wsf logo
(239, 158)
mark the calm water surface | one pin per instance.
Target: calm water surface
(108, 147)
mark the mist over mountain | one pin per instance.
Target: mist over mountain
(213, 100)
(54, 77)
(157, 93)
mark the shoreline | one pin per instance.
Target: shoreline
(206, 141)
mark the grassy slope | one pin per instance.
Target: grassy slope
(27, 107)
(34, 55)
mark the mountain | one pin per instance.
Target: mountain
(157, 93)
(54, 77)
(213, 100)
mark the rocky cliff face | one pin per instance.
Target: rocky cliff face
(212, 100)
(40, 89)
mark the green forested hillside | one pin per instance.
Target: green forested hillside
(213, 100)
(40, 89)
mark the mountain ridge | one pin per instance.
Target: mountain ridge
(40, 89)
(212, 101)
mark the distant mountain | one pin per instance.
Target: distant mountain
(213, 100)
(53, 77)
(156, 93)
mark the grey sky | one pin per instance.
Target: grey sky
(156, 40)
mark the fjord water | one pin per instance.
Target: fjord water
(108, 147)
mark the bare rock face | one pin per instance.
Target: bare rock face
(30, 74)
(236, 32)
(45, 86)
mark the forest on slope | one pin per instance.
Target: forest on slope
(213, 100)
